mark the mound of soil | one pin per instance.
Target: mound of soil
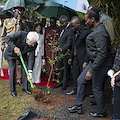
(55, 100)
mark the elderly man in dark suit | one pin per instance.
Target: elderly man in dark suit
(78, 56)
(26, 43)
(64, 45)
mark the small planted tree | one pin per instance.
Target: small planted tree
(53, 43)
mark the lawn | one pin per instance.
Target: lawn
(12, 107)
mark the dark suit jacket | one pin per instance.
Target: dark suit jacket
(80, 44)
(18, 39)
(65, 40)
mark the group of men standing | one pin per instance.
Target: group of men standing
(92, 50)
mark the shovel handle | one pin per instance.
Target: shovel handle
(21, 58)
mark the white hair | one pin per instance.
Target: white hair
(32, 36)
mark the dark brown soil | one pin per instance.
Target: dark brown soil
(56, 100)
(55, 105)
(38, 92)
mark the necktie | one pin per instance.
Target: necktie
(62, 32)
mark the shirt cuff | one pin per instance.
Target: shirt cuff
(61, 49)
(30, 71)
(91, 70)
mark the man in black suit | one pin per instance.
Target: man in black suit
(26, 43)
(78, 55)
(98, 47)
(64, 46)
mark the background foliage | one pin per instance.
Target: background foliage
(111, 8)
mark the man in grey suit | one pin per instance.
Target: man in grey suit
(26, 43)
(64, 46)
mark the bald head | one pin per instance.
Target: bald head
(75, 23)
(76, 19)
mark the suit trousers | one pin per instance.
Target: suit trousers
(19, 71)
(98, 80)
(1, 62)
(63, 70)
(12, 69)
(77, 69)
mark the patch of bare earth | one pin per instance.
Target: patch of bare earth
(55, 100)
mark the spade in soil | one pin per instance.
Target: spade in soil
(38, 92)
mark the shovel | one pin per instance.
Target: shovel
(25, 68)
(38, 92)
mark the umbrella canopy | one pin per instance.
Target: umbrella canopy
(5, 14)
(30, 3)
(53, 9)
(10, 4)
(2, 3)
(77, 5)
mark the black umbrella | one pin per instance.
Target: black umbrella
(53, 9)
(10, 4)
(7, 14)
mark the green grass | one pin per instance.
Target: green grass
(5, 64)
(12, 107)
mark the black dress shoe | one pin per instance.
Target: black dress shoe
(58, 85)
(71, 93)
(13, 93)
(64, 87)
(43, 75)
(93, 102)
(95, 114)
(74, 109)
(53, 81)
(27, 91)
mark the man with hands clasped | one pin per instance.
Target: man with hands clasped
(26, 43)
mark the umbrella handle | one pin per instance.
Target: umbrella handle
(21, 58)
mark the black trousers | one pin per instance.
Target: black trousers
(77, 69)
(63, 70)
(12, 69)
(116, 102)
(98, 80)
